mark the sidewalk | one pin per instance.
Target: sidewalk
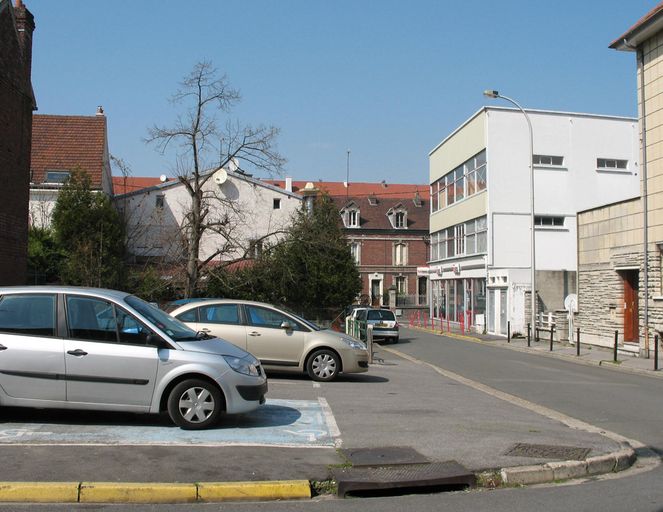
(589, 354)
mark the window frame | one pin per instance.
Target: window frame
(616, 168)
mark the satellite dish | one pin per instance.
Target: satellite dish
(571, 303)
(220, 177)
(163, 178)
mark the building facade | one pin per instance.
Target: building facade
(617, 290)
(480, 220)
(387, 229)
(16, 105)
(60, 145)
(244, 214)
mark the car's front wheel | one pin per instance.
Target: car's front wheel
(323, 365)
(195, 404)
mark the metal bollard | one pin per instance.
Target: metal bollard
(615, 351)
(369, 343)
(578, 343)
(529, 332)
(656, 352)
(551, 338)
(508, 331)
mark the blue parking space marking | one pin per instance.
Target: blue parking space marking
(296, 423)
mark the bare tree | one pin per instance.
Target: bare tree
(205, 96)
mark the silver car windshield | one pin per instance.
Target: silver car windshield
(171, 326)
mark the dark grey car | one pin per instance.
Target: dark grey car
(86, 348)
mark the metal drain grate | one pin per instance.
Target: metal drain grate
(409, 476)
(548, 451)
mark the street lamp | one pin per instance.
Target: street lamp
(496, 94)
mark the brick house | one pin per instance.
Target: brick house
(61, 144)
(17, 102)
(387, 229)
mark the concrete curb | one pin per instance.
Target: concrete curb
(569, 469)
(138, 492)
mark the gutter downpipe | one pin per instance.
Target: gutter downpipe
(645, 197)
(645, 207)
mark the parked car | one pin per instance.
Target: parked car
(86, 348)
(281, 340)
(385, 326)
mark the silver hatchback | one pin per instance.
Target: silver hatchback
(86, 348)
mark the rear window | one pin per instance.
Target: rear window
(381, 314)
(28, 314)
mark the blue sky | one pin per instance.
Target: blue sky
(386, 79)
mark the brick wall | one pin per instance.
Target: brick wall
(16, 105)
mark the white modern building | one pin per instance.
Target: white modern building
(244, 213)
(480, 221)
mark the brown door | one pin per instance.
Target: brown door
(631, 315)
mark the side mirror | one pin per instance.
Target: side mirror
(286, 325)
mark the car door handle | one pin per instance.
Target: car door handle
(2, 347)
(77, 352)
(254, 333)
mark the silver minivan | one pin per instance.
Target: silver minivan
(87, 348)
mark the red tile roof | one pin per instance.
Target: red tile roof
(64, 143)
(122, 185)
(338, 188)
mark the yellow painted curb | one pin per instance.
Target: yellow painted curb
(275, 490)
(130, 492)
(39, 492)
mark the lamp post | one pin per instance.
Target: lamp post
(496, 94)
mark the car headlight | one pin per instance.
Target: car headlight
(247, 365)
(353, 343)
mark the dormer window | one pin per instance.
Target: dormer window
(57, 177)
(398, 216)
(372, 200)
(350, 215)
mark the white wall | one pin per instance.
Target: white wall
(561, 192)
(246, 205)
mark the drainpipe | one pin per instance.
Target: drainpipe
(641, 56)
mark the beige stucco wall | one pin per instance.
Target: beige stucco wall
(460, 146)
(612, 237)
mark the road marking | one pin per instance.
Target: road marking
(285, 423)
(334, 431)
(316, 384)
(525, 404)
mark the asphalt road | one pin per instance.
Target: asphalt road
(628, 404)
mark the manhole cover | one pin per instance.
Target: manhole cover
(383, 456)
(548, 451)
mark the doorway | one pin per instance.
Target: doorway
(631, 311)
(376, 295)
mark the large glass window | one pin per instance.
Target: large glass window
(28, 314)
(130, 330)
(464, 181)
(451, 245)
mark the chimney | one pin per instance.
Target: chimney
(288, 184)
(100, 110)
(25, 24)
